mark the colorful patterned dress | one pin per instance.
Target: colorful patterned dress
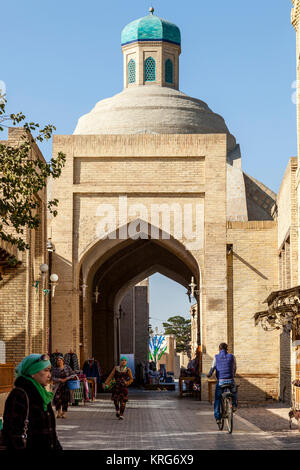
(61, 391)
(123, 379)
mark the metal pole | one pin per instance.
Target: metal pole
(118, 341)
(50, 303)
(199, 348)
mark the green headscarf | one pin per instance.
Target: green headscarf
(30, 366)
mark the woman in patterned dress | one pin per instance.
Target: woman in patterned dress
(60, 375)
(123, 377)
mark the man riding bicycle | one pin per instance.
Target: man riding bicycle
(224, 364)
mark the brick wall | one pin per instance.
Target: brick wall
(23, 310)
(181, 169)
(134, 323)
(253, 275)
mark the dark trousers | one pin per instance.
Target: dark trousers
(218, 395)
(62, 398)
(120, 406)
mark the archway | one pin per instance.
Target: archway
(112, 266)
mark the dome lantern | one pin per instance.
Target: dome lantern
(151, 102)
(151, 47)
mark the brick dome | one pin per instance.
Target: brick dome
(152, 110)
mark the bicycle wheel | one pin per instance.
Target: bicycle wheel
(221, 422)
(229, 414)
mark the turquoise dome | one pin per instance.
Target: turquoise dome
(151, 28)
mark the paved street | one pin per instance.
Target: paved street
(162, 421)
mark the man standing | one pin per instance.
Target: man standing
(224, 364)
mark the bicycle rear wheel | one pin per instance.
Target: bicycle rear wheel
(229, 414)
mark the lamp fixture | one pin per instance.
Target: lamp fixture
(50, 245)
(97, 293)
(44, 269)
(193, 286)
(53, 283)
(83, 287)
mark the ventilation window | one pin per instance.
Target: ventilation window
(150, 70)
(169, 71)
(131, 71)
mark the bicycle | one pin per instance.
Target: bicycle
(226, 407)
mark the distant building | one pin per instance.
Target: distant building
(134, 322)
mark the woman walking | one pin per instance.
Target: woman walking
(60, 375)
(28, 419)
(123, 377)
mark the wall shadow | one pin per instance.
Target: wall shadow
(254, 388)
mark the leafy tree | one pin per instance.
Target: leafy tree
(181, 329)
(22, 176)
(150, 330)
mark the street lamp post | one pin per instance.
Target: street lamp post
(118, 318)
(193, 292)
(50, 249)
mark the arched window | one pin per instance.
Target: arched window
(169, 71)
(131, 71)
(150, 70)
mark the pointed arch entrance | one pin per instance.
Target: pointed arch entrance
(112, 266)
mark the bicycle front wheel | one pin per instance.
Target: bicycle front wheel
(229, 414)
(221, 422)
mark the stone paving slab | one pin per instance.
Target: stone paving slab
(162, 421)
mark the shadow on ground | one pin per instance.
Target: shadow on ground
(269, 418)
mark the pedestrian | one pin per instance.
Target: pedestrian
(60, 376)
(28, 419)
(123, 377)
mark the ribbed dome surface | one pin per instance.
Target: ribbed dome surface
(152, 110)
(151, 28)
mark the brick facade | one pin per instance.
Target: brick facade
(23, 309)
(179, 169)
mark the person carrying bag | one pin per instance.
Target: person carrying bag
(28, 419)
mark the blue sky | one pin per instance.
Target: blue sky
(58, 59)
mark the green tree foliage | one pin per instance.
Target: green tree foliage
(181, 329)
(21, 178)
(150, 330)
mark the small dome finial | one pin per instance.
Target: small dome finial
(151, 9)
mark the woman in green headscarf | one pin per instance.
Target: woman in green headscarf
(123, 378)
(30, 397)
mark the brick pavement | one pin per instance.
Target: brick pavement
(162, 421)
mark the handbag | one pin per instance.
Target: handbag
(24, 436)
